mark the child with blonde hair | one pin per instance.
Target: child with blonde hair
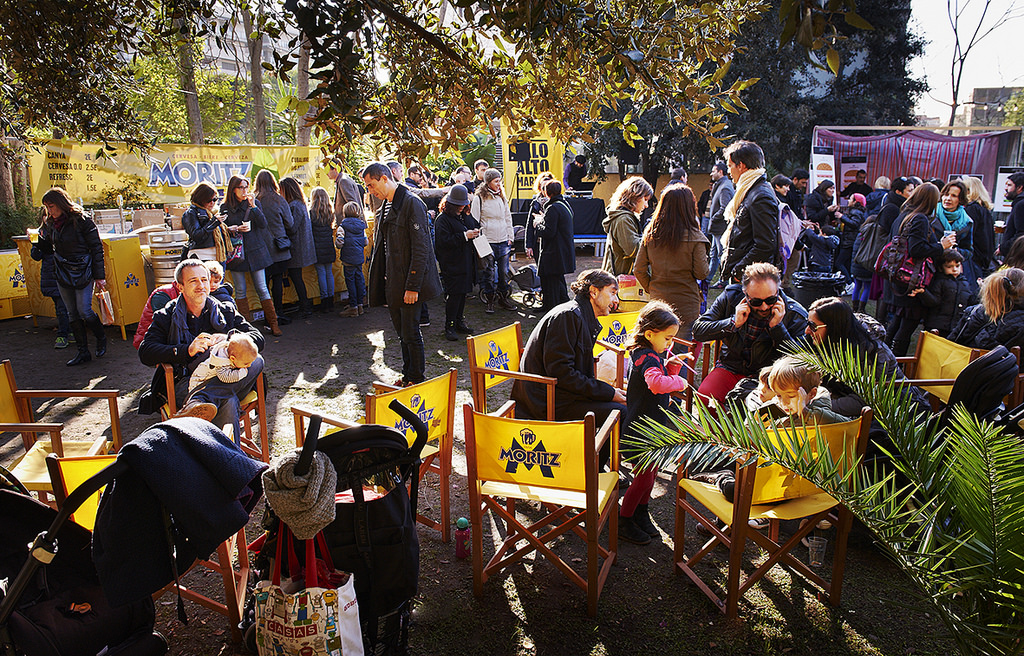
(654, 377)
(228, 360)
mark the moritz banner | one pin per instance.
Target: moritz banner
(168, 174)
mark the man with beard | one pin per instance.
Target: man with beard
(752, 318)
(1015, 223)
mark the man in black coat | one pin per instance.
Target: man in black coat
(557, 257)
(403, 270)
(182, 333)
(795, 197)
(1015, 222)
(753, 214)
(899, 191)
(562, 346)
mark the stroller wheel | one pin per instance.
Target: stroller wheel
(529, 299)
(249, 639)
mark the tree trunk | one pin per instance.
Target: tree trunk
(651, 171)
(258, 112)
(304, 128)
(187, 76)
(6, 181)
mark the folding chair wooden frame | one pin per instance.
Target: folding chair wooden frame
(15, 403)
(233, 549)
(436, 459)
(478, 372)
(255, 400)
(567, 508)
(812, 507)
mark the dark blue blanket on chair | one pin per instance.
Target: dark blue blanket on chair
(190, 469)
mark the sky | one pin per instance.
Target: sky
(993, 62)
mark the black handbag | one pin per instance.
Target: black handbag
(76, 273)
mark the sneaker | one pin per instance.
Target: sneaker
(199, 410)
(703, 530)
(630, 532)
(758, 524)
(490, 307)
(362, 309)
(350, 312)
(849, 290)
(61, 343)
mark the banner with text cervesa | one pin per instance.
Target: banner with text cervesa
(168, 173)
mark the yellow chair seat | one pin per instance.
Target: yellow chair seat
(429, 449)
(712, 498)
(250, 398)
(606, 484)
(31, 469)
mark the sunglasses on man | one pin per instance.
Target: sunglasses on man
(758, 302)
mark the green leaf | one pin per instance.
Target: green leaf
(854, 20)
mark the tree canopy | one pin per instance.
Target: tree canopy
(420, 76)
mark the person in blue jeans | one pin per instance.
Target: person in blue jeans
(352, 242)
(491, 211)
(48, 286)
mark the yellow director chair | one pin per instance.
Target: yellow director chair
(434, 401)
(556, 464)
(775, 493)
(16, 415)
(254, 401)
(494, 358)
(936, 363)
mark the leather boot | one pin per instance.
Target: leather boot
(449, 332)
(307, 308)
(505, 301)
(270, 316)
(82, 340)
(242, 305)
(642, 518)
(323, 305)
(96, 326)
(461, 327)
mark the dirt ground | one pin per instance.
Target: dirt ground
(328, 363)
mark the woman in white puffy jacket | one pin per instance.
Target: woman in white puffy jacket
(491, 210)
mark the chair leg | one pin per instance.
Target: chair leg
(446, 520)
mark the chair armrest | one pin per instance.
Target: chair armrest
(925, 381)
(172, 403)
(301, 414)
(607, 429)
(384, 387)
(33, 428)
(519, 375)
(67, 394)
(610, 346)
(507, 409)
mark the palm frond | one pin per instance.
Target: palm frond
(947, 503)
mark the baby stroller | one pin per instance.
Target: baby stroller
(373, 535)
(529, 282)
(52, 600)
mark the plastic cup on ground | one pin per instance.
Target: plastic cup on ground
(816, 550)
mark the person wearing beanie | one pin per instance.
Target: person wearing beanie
(454, 231)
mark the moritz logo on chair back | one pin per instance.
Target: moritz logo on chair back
(497, 358)
(517, 455)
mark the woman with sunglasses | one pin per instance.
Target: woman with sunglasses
(832, 325)
(244, 216)
(753, 319)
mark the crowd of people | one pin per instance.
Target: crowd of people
(747, 229)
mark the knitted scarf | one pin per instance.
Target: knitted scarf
(747, 180)
(956, 220)
(178, 334)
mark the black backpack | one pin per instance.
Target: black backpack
(870, 240)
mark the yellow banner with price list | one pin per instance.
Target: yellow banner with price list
(168, 173)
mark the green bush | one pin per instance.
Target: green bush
(15, 220)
